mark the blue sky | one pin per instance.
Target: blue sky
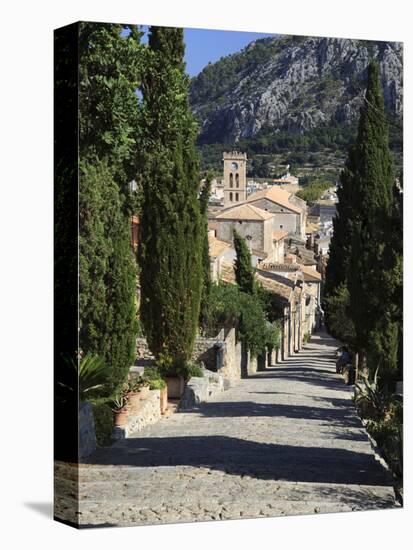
(204, 46)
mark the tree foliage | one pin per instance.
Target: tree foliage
(172, 228)
(109, 72)
(229, 305)
(244, 272)
(206, 262)
(366, 251)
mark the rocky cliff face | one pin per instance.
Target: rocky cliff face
(291, 84)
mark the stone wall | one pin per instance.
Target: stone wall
(149, 413)
(252, 366)
(229, 356)
(87, 434)
(222, 354)
(200, 389)
(204, 351)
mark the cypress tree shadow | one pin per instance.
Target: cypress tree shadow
(248, 458)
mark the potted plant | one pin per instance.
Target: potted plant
(174, 376)
(120, 410)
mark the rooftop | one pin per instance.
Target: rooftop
(310, 274)
(244, 211)
(276, 195)
(279, 235)
(283, 291)
(217, 247)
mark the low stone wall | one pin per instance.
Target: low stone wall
(200, 389)
(87, 434)
(204, 352)
(252, 365)
(149, 413)
(222, 354)
(228, 352)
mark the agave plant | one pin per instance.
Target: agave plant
(90, 374)
(371, 394)
(119, 402)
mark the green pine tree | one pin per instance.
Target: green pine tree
(244, 272)
(206, 262)
(373, 269)
(109, 73)
(170, 246)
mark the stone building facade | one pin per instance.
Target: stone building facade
(235, 178)
(290, 212)
(254, 224)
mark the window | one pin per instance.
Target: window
(281, 226)
(236, 179)
(236, 197)
(230, 197)
(231, 180)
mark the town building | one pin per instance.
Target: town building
(235, 178)
(255, 225)
(290, 212)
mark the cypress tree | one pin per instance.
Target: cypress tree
(340, 246)
(170, 245)
(206, 262)
(109, 75)
(373, 264)
(244, 272)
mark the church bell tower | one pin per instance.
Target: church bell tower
(235, 178)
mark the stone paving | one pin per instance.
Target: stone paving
(285, 441)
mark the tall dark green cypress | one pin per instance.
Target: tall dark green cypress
(244, 272)
(206, 262)
(373, 264)
(170, 245)
(340, 246)
(109, 75)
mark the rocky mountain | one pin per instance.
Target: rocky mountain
(293, 85)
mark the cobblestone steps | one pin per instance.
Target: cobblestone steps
(285, 441)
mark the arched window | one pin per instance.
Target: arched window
(236, 179)
(236, 197)
(231, 180)
(230, 197)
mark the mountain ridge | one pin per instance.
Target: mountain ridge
(292, 85)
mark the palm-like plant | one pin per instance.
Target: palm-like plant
(369, 392)
(90, 373)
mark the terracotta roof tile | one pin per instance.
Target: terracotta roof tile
(244, 212)
(283, 291)
(217, 247)
(276, 195)
(278, 235)
(310, 274)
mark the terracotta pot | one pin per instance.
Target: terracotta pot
(176, 386)
(164, 399)
(121, 417)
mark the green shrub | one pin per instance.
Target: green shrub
(254, 314)
(157, 384)
(103, 417)
(150, 374)
(388, 434)
(193, 370)
(371, 399)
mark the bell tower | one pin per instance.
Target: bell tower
(235, 178)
